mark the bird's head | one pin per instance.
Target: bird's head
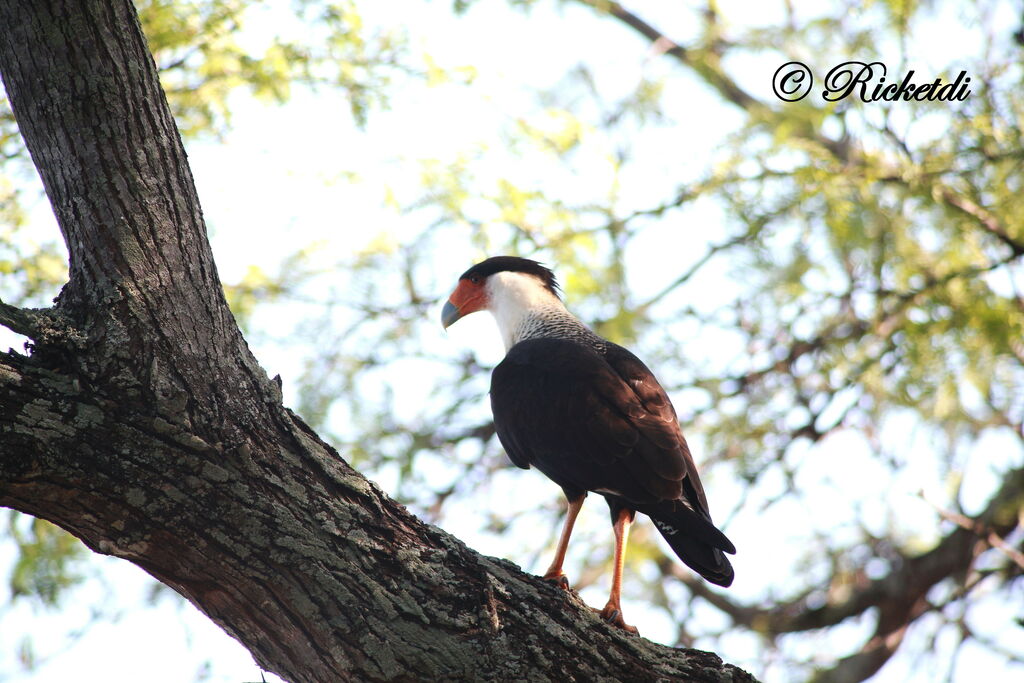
(507, 286)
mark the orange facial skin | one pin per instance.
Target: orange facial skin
(468, 297)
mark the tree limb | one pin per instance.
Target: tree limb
(991, 537)
(707, 64)
(20, 320)
(983, 217)
(900, 597)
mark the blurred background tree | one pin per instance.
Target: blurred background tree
(831, 291)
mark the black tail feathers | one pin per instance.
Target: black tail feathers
(696, 541)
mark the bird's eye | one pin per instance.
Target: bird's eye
(475, 279)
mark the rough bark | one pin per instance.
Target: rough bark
(142, 424)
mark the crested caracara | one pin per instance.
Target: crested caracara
(592, 417)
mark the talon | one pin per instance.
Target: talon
(560, 580)
(613, 616)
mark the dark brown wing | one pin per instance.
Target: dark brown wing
(601, 422)
(593, 422)
(659, 409)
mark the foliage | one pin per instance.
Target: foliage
(45, 561)
(831, 292)
(834, 301)
(208, 52)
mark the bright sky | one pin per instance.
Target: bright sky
(282, 179)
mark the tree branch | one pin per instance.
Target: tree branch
(984, 218)
(991, 537)
(707, 63)
(20, 320)
(900, 597)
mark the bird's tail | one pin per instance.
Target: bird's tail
(695, 539)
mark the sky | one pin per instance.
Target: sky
(305, 171)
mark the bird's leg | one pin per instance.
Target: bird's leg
(612, 612)
(554, 572)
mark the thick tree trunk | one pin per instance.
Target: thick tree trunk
(142, 423)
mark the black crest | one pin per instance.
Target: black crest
(497, 264)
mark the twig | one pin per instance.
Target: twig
(983, 216)
(977, 527)
(21, 320)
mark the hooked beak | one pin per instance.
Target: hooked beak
(467, 298)
(449, 314)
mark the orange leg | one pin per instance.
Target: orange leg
(554, 572)
(612, 612)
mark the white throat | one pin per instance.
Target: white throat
(519, 303)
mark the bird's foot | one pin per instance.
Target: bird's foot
(613, 615)
(557, 578)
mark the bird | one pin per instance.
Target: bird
(590, 416)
